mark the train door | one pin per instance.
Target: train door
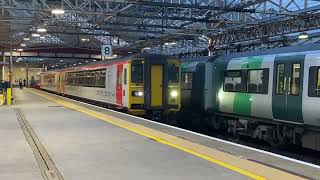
(62, 79)
(125, 87)
(156, 85)
(287, 88)
(119, 84)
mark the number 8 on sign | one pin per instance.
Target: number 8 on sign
(106, 50)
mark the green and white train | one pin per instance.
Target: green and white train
(272, 95)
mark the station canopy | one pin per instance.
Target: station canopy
(175, 27)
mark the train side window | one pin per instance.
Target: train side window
(295, 79)
(318, 83)
(125, 76)
(258, 81)
(232, 81)
(101, 78)
(187, 80)
(314, 81)
(280, 79)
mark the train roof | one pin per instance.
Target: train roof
(281, 50)
(111, 61)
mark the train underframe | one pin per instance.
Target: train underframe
(277, 134)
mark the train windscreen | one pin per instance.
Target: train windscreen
(173, 74)
(137, 71)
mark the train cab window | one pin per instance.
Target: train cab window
(314, 81)
(258, 81)
(232, 81)
(295, 79)
(280, 79)
(137, 71)
(173, 74)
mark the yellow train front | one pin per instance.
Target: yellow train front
(142, 84)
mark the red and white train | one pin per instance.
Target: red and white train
(139, 84)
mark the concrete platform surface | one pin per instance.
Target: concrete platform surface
(16, 158)
(83, 147)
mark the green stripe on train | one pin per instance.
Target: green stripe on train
(242, 103)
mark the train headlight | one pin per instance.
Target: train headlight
(137, 93)
(174, 93)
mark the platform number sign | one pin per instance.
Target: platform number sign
(106, 50)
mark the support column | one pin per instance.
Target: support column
(10, 88)
(27, 74)
(2, 78)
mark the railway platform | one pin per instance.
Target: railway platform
(51, 137)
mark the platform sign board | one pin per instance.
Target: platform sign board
(106, 50)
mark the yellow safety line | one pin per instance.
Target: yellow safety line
(203, 156)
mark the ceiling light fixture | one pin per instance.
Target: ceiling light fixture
(23, 45)
(41, 30)
(35, 35)
(57, 11)
(85, 40)
(303, 35)
(26, 39)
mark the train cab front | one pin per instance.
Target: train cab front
(155, 86)
(136, 87)
(162, 86)
(174, 89)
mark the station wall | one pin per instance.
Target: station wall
(21, 73)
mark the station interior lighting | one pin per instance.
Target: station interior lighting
(170, 44)
(23, 45)
(35, 35)
(42, 37)
(41, 30)
(57, 11)
(26, 39)
(303, 35)
(85, 40)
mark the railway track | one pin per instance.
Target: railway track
(292, 151)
